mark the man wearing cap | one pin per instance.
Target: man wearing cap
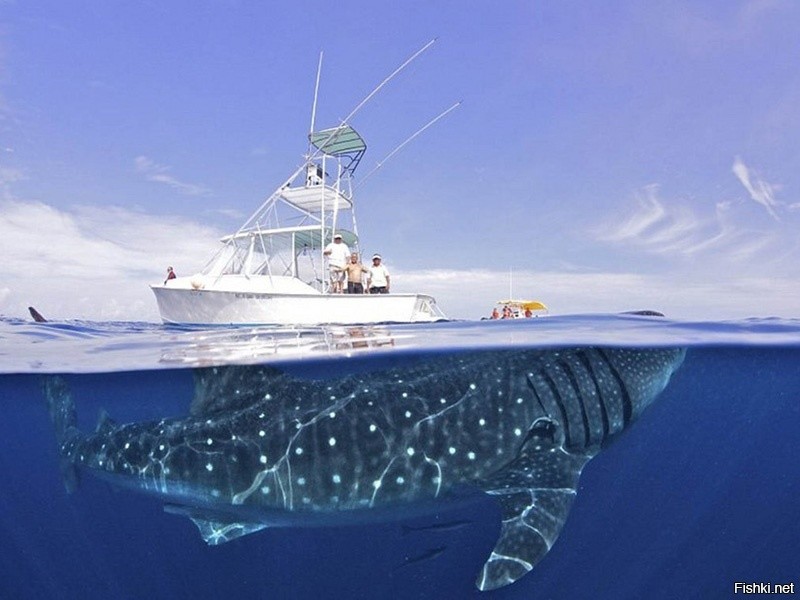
(378, 277)
(337, 253)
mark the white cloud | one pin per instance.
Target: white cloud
(760, 191)
(161, 174)
(92, 262)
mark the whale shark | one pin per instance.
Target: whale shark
(265, 445)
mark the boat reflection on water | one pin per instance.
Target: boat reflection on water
(248, 345)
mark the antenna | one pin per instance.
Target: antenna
(408, 140)
(314, 105)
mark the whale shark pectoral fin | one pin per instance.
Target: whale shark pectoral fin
(216, 529)
(219, 532)
(535, 492)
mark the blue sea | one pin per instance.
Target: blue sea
(701, 492)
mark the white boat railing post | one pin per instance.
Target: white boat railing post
(322, 214)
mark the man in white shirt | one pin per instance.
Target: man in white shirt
(378, 277)
(337, 253)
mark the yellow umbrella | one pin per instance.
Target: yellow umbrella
(525, 304)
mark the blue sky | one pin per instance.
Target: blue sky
(613, 155)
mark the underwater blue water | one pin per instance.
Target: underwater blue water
(700, 493)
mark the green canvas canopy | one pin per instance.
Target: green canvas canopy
(311, 239)
(338, 140)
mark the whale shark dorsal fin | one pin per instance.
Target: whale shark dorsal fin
(214, 528)
(535, 492)
(36, 315)
(105, 423)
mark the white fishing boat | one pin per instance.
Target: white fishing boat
(273, 269)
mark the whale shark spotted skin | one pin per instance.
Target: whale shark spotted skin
(262, 444)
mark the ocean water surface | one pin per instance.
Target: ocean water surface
(697, 493)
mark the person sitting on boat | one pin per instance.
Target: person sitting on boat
(378, 277)
(507, 313)
(170, 275)
(355, 275)
(495, 313)
(337, 253)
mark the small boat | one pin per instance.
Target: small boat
(514, 309)
(273, 269)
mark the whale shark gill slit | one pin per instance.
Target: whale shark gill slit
(627, 403)
(601, 397)
(265, 447)
(576, 391)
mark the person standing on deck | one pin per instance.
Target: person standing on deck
(337, 253)
(355, 275)
(378, 277)
(170, 275)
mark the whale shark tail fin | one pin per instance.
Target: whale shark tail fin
(65, 420)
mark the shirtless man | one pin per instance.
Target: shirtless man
(355, 275)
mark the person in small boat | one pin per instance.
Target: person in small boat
(337, 253)
(378, 277)
(507, 313)
(528, 313)
(495, 313)
(355, 275)
(170, 275)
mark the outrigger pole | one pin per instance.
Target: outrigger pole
(387, 80)
(408, 141)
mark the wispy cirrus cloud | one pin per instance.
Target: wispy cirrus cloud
(701, 33)
(660, 228)
(726, 233)
(9, 176)
(153, 171)
(760, 191)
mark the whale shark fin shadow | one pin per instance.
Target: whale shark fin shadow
(535, 493)
(215, 528)
(213, 386)
(105, 424)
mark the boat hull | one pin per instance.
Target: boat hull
(218, 307)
